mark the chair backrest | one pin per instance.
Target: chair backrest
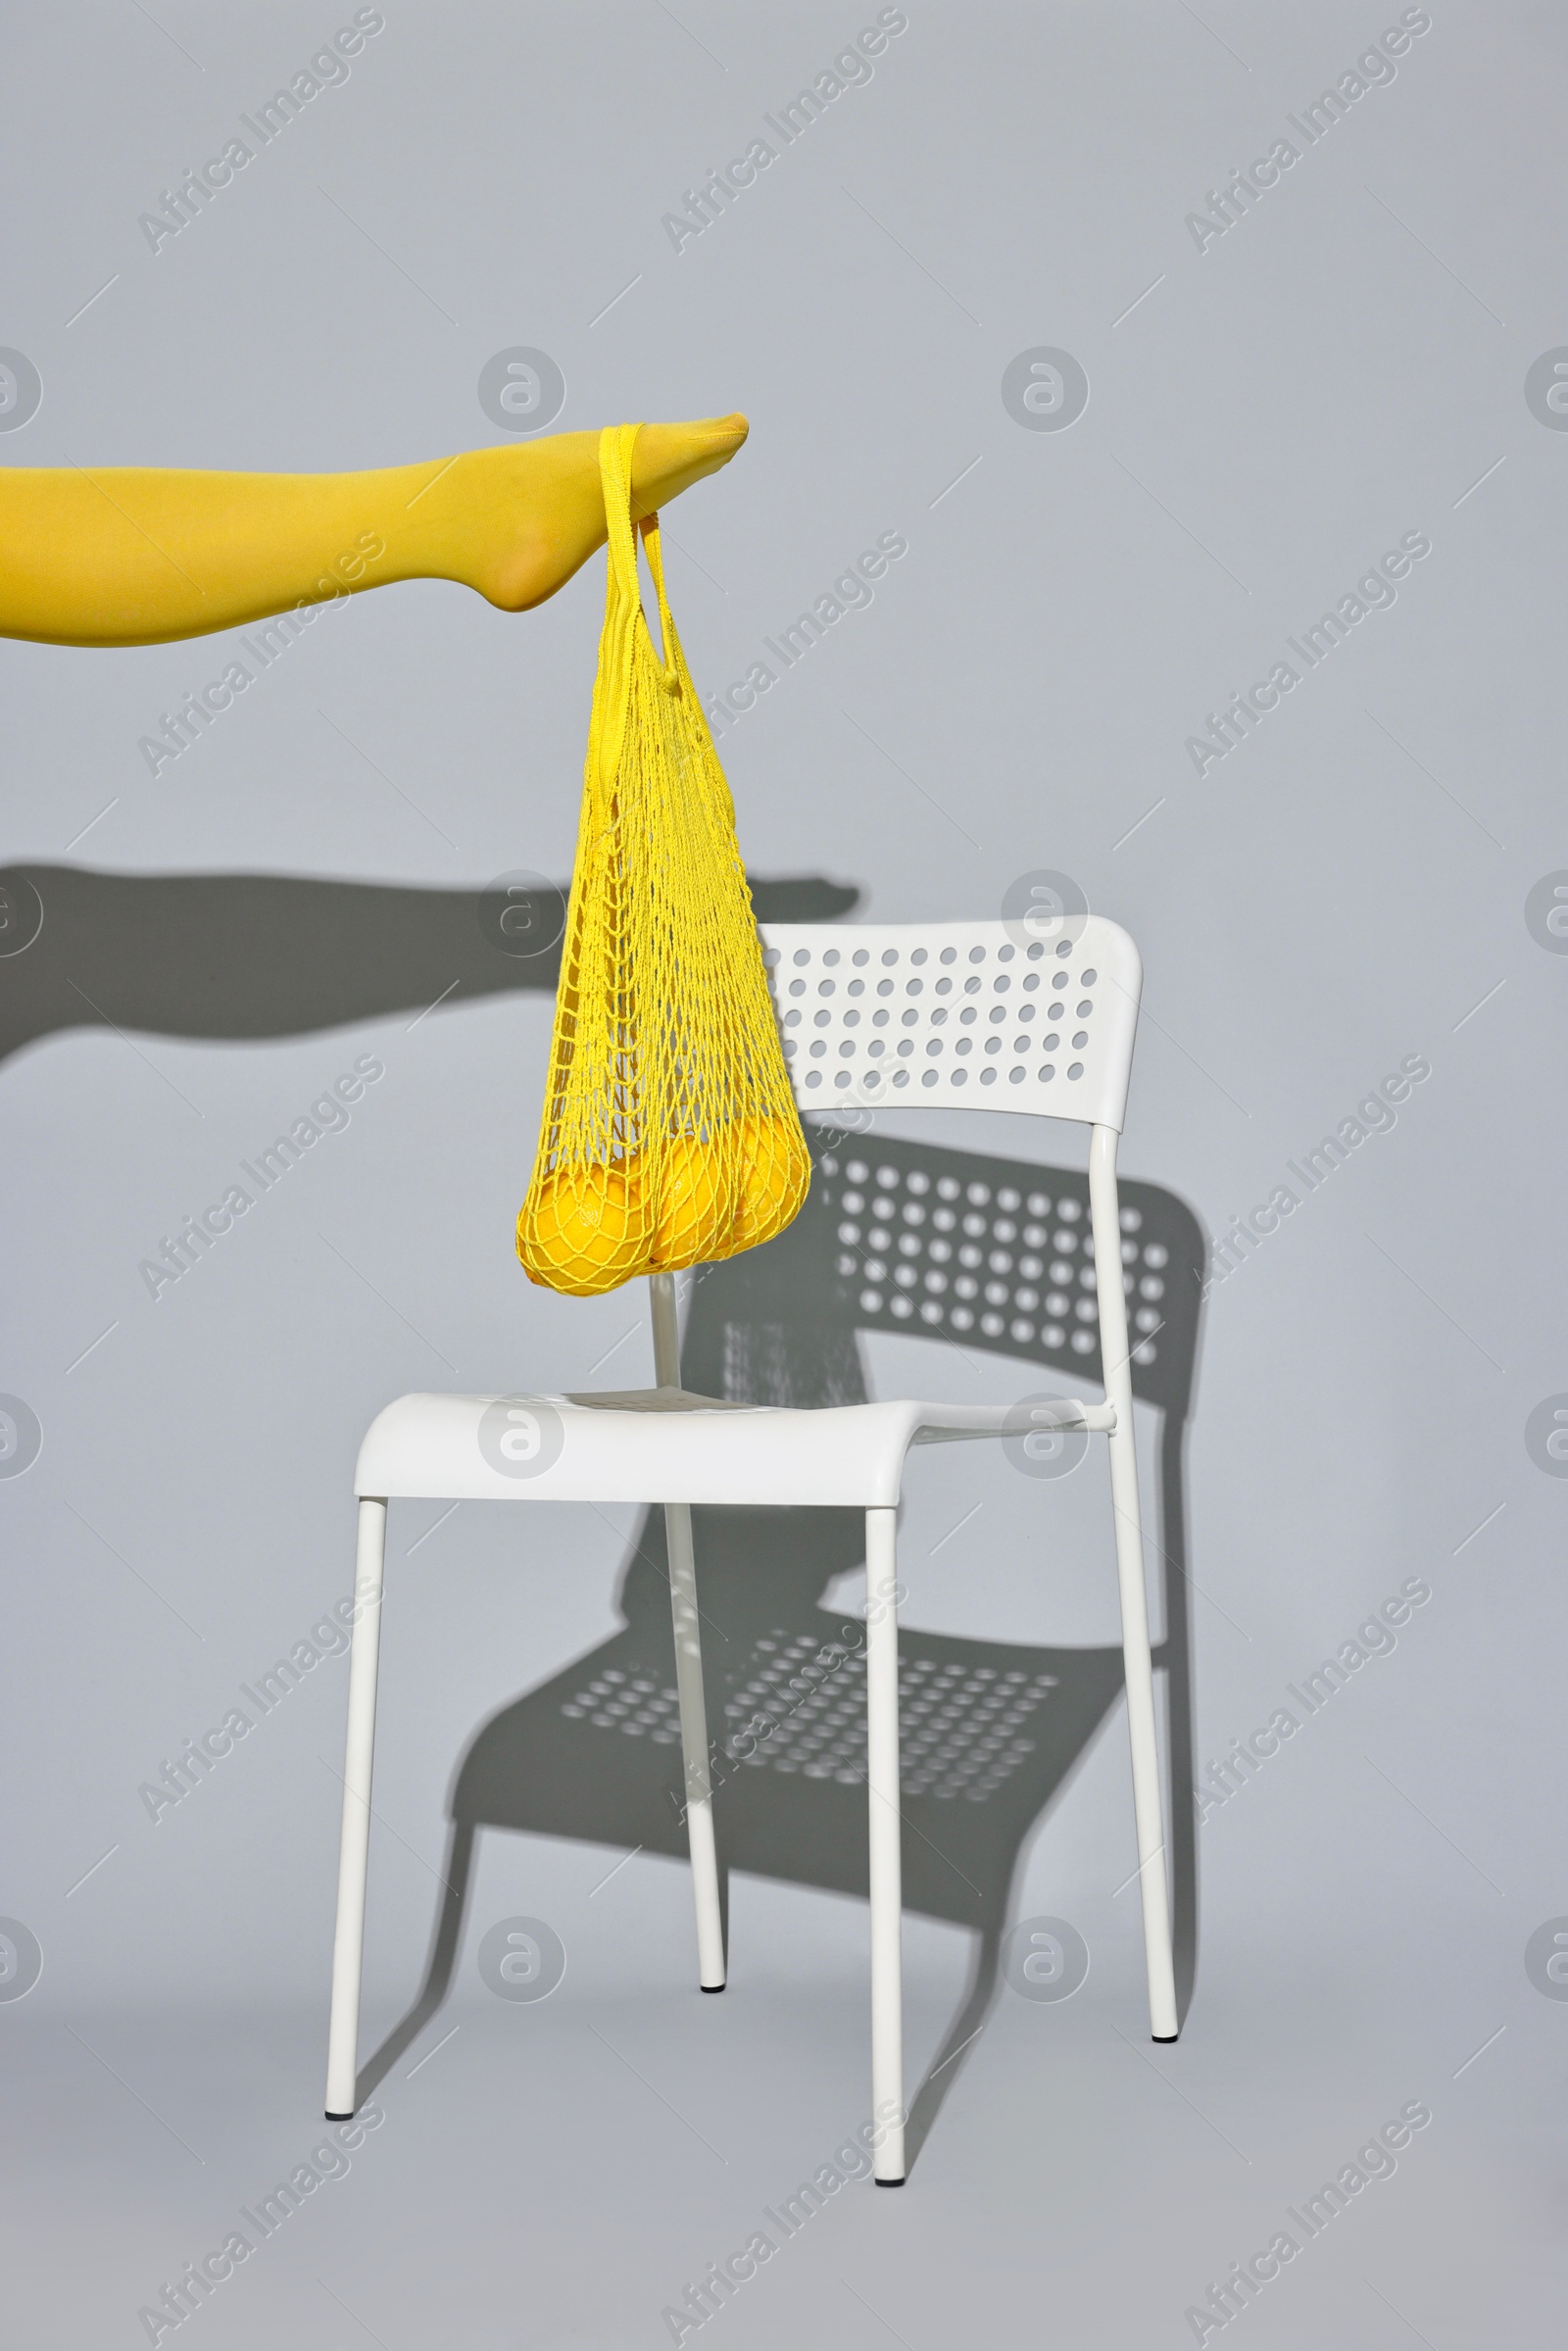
(978, 1015)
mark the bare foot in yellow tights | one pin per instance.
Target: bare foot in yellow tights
(136, 555)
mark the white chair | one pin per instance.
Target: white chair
(964, 1015)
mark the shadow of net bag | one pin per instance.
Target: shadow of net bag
(670, 1136)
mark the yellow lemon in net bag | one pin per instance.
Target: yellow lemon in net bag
(696, 1202)
(583, 1229)
(775, 1172)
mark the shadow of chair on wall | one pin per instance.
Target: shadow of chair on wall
(991, 1731)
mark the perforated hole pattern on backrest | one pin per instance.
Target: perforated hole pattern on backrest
(957, 1013)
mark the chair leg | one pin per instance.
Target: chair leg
(886, 1856)
(1127, 1513)
(348, 1947)
(693, 1745)
(1139, 1675)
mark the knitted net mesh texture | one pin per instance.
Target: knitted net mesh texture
(670, 1136)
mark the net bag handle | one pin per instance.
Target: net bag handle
(623, 616)
(615, 444)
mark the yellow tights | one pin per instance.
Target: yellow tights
(137, 555)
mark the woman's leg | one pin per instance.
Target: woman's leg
(138, 555)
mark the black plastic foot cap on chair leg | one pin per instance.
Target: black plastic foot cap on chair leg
(711, 1987)
(338, 2118)
(1166, 2037)
(890, 2183)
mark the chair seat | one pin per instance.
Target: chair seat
(665, 1444)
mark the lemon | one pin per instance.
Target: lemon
(696, 1206)
(775, 1173)
(584, 1229)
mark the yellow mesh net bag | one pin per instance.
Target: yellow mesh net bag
(670, 1136)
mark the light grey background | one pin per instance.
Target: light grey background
(1345, 889)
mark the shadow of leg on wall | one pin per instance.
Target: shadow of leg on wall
(251, 956)
(990, 1732)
